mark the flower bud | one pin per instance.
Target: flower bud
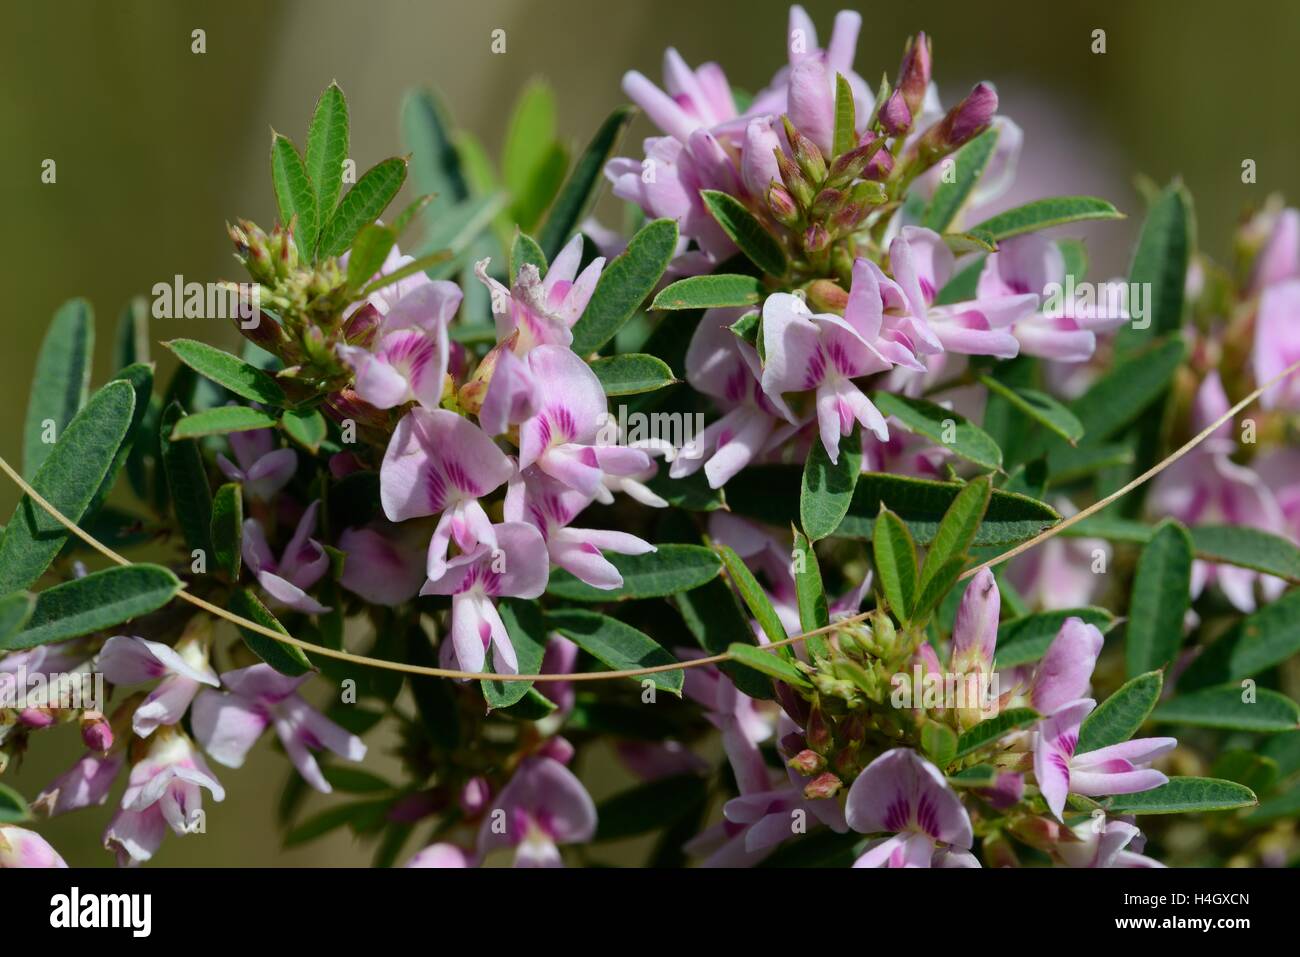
(807, 762)
(795, 182)
(825, 295)
(96, 732)
(816, 238)
(782, 205)
(972, 115)
(807, 156)
(817, 731)
(914, 73)
(895, 118)
(474, 796)
(362, 327)
(826, 203)
(849, 166)
(825, 785)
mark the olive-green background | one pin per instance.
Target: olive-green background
(157, 147)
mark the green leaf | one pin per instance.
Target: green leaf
(530, 155)
(221, 420)
(616, 645)
(710, 292)
(69, 479)
(1160, 265)
(846, 133)
(1185, 796)
(1040, 407)
(769, 493)
(1247, 548)
(187, 482)
(294, 195)
(1044, 213)
(369, 251)
(978, 776)
(228, 529)
(306, 427)
(939, 743)
(632, 373)
(1118, 717)
(949, 196)
(1160, 599)
(527, 630)
(327, 148)
(525, 250)
(225, 370)
(624, 285)
(284, 658)
(894, 553)
(131, 338)
(13, 809)
(362, 204)
(1023, 640)
(828, 486)
(15, 610)
(100, 600)
(759, 246)
(1121, 395)
(60, 381)
(649, 807)
(691, 492)
(713, 616)
(1224, 707)
(810, 595)
(751, 592)
(957, 530)
(579, 190)
(770, 664)
(991, 729)
(1284, 750)
(1263, 639)
(954, 432)
(671, 569)
(435, 161)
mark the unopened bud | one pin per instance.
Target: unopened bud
(96, 732)
(914, 73)
(362, 327)
(826, 203)
(825, 295)
(825, 785)
(895, 117)
(816, 238)
(807, 155)
(782, 205)
(807, 762)
(796, 183)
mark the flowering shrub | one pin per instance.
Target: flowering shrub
(814, 458)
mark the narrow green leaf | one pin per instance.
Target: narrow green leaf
(1023, 640)
(710, 292)
(369, 251)
(691, 492)
(759, 246)
(1263, 639)
(525, 250)
(670, 569)
(294, 195)
(810, 594)
(187, 482)
(69, 479)
(306, 427)
(954, 432)
(1185, 796)
(713, 616)
(15, 610)
(624, 285)
(531, 154)
(1160, 599)
(991, 729)
(939, 742)
(846, 133)
(1159, 268)
(60, 381)
(617, 645)
(1118, 717)
(632, 373)
(231, 372)
(951, 194)
(1120, 396)
(327, 148)
(1247, 548)
(1044, 213)
(100, 600)
(362, 204)
(221, 420)
(828, 486)
(752, 593)
(131, 338)
(527, 630)
(228, 529)
(894, 553)
(1231, 707)
(13, 809)
(579, 190)
(1040, 407)
(284, 658)
(435, 161)
(957, 530)
(770, 664)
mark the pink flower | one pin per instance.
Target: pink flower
(517, 567)
(543, 310)
(1065, 671)
(440, 855)
(439, 462)
(1118, 769)
(128, 660)
(85, 784)
(301, 566)
(722, 365)
(228, 725)
(385, 299)
(1277, 343)
(1279, 258)
(695, 99)
(164, 789)
(543, 806)
(905, 795)
(1105, 846)
(1059, 572)
(822, 353)
(20, 848)
(550, 506)
(408, 362)
(263, 469)
(384, 564)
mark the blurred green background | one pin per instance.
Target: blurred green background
(157, 147)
